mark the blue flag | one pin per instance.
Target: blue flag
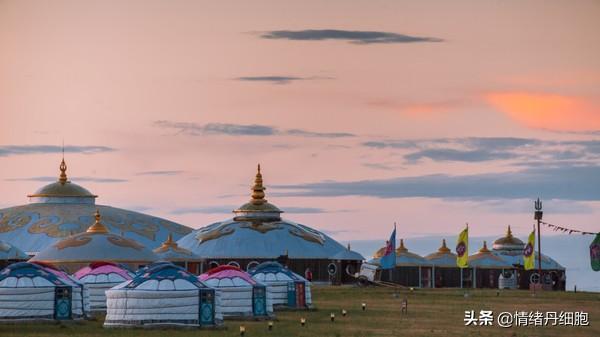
(388, 260)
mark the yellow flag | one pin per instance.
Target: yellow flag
(528, 256)
(462, 249)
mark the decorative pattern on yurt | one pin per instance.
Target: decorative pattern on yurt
(163, 294)
(241, 295)
(99, 277)
(30, 291)
(287, 288)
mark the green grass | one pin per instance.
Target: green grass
(430, 313)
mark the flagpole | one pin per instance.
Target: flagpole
(538, 216)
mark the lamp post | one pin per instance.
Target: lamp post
(538, 216)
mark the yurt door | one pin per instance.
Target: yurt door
(259, 301)
(62, 303)
(291, 294)
(300, 294)
(207, 307)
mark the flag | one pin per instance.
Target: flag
(388, 260)
(595, 253)
(462, 249)
(528, 256)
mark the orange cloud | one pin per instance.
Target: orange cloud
(548, 111)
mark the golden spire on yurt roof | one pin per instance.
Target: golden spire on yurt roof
(97, 227)
(258, 206)
(63, 172)
(171, 245)
(443, 248)
(63, 187)
(485, 249)
(258, 190)
(401, 249)
(508, 242)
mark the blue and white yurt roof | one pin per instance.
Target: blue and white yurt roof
(484, 258)
(96, 244)
(443, 257)
(273, 271)
(258, 231)
(10, 252)
(404, 258)
(163, 276)
(170, 251)
(26, 274)
(63, 208)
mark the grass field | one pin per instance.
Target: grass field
(430, 313)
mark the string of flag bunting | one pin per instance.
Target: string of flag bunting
(566, 230)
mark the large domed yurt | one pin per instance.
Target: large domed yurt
(241, 295)
(510, 249)
(257, 233)
(288, 289)
(99, 277)
(33, 292)
(485, 269)
(163, 294)
(171, 252)
(411, 270)
(10, 254)
(63, 208)
(95, 244)
(446, 273)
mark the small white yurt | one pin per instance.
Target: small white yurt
(163, 294)
(287, 288)
(241, 295)
(99, 277)
(31, 291)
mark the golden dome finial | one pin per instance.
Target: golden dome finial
(484, 249)
(63, 172)
(509, 232)
(401, 248)
(169, 243)
(97, 227)
(258, 190)
(444, 248)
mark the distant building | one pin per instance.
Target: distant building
(445, 272)
(411, 270)
(510, 249)
(257, 233)
(484, 270)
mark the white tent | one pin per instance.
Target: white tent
(241, 295)
(163, 294)
(99, 277)
(288, 289)
(29, 291)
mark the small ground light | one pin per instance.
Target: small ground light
(344, 312)
(302, 321)
(412, 289)
(270, 325)
(332, 317)
(242, 330)
(364, 306)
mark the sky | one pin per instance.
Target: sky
(430, 114)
